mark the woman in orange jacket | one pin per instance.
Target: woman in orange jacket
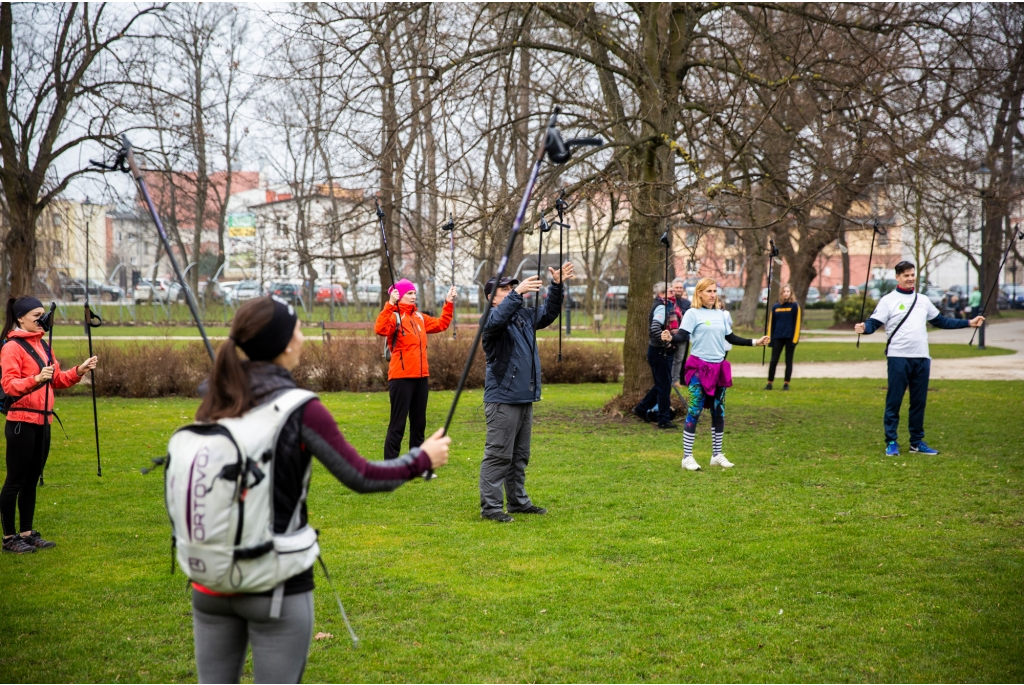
(27, 368)
(405, 329)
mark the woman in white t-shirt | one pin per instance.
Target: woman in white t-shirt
(707, 373)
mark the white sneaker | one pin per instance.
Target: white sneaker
(690, 464)
(720, 460)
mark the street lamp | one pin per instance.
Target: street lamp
(981, 180)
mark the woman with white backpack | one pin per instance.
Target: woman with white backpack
(243, 401)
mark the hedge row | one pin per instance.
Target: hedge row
(158, 369)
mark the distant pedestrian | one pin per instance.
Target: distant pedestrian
(975, 302)
(664, 337)
(784, 330)
(680, 303)
(405, 329)
(903, 313)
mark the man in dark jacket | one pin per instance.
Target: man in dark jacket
(511, 386)
(664, 337)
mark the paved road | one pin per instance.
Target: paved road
(1008, 334)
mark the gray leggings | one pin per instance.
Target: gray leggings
(224, 626)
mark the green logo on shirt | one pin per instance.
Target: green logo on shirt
(902, 307)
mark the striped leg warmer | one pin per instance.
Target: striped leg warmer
(688, 438)
(716, 442)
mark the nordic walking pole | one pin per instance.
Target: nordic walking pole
(561, 205)
(127, 155)
(558, 151)
(450, 227)
(49, 362)
(773, 252)
(92, 321)
(544, 228)
(875, 230)
(387, 254)
(1017, 235)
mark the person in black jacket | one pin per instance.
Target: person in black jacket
(511, 386)
(784, 330)
(664, 336)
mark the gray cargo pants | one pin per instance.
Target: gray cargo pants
(506, 455)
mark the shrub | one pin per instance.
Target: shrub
(822, 304)
(847, 310)
(159, 369)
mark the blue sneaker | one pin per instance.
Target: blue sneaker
(892, 449)
(922, 448)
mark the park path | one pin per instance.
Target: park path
(1008, 334)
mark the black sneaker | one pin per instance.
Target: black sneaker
(532, 509)
(37, 541)
(786, 386)
(668, 426)
(641, 413)
(17, 545)
(768, 387)
(498, 516)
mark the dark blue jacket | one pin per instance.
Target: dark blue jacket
(513, 364)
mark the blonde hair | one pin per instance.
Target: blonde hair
(698, 293)
(792, 295)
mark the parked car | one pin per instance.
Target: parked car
(368, 293)
(1002, 299)
(151, 290)
(1018, 300)
(289, 292)
(732, 297)
(813, 295)
(245, 290)
(616, 296)
(935, 295)
(211, 291)
(882, 285)
(175, 293)
(73, 288)
(325, 293)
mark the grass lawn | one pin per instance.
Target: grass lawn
(815, 559)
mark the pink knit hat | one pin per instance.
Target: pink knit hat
(403, 286)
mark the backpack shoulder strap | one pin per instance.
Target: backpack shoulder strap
(24, 344)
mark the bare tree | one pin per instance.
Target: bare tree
(63, 70)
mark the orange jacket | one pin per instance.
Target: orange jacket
(409, 347)
(19, 372)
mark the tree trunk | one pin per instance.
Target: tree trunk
(753, 246)
(20, 245)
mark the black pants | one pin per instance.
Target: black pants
(661, 393)
(777, 345)
(907, 373)
(408, 401)
(27, 447)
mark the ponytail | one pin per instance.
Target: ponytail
(227, 388)
(227, 393)
(9, 321)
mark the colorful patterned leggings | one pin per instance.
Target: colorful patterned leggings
(698, 399)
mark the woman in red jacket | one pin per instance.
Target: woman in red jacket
(406, 329)
(30, 413)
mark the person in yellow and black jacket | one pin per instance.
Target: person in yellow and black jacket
(784, 329)
(405, 328)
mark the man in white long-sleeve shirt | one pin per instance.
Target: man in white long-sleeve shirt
(903, 313)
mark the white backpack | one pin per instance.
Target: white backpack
(219, 493)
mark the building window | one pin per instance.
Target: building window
(691, 239)
(281, 229)
(119, 237)
(730, 239)
(281, 264)
(730, 266)
(58, 248)
(691, 266)
(883, 238)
